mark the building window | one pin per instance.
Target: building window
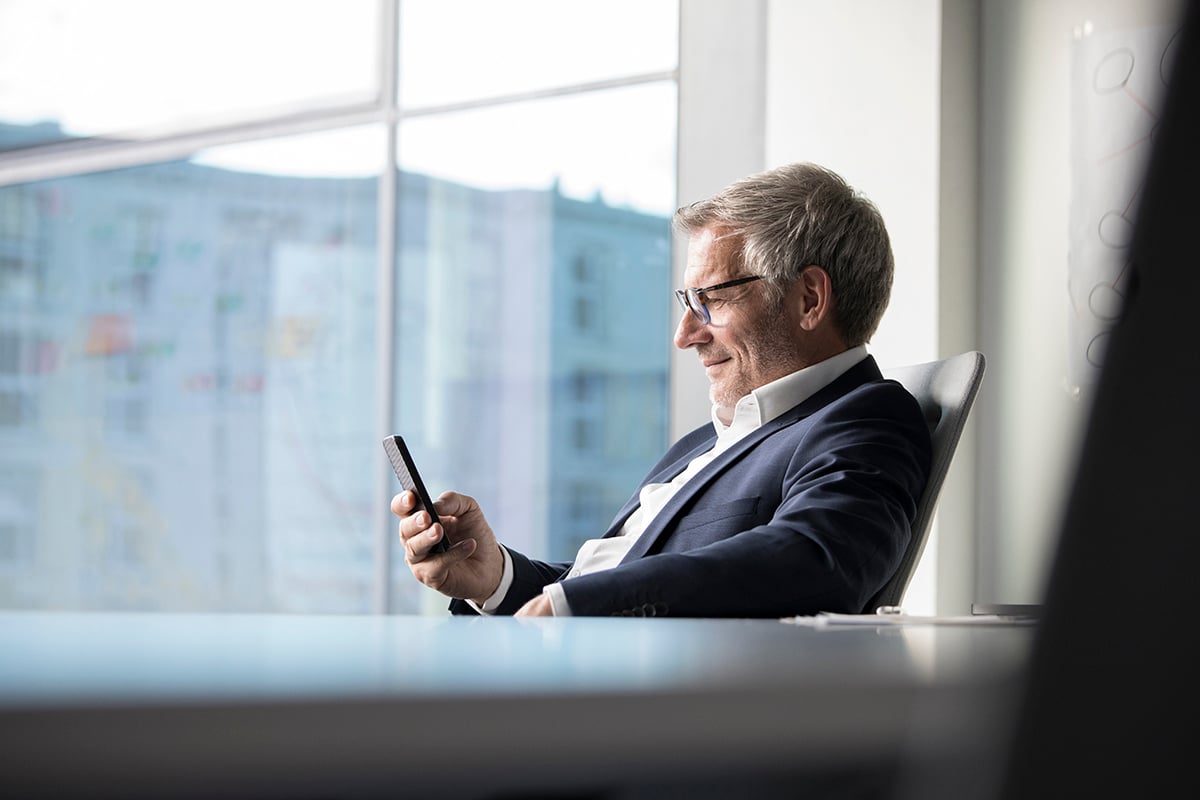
(584, 316)
(14, 409)
(19, 510)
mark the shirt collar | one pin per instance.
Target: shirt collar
(769, 401)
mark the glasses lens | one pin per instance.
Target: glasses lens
(690, 302)
(696, 304)
(682, 298)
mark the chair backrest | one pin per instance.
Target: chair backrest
(946, 390)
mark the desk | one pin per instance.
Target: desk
(175, 705)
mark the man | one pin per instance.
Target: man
(799, 496)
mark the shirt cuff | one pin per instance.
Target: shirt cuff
(558, 599)
(492, 603)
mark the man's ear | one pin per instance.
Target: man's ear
(816, 297)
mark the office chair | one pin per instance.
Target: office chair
(946, 390)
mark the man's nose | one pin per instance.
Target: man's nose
(690, 331)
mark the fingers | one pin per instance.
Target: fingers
(453, 504)
(419, 544)
(413, 525)
(404, 503)
(447, 504)
(538, 606)
(434, 570)
(419, 535)
(461, 520)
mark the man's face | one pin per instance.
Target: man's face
(750, 342)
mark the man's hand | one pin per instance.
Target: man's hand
(537, 607)
(472, 567)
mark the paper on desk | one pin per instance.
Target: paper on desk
(828, 619)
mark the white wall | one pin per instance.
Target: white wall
(854, 86)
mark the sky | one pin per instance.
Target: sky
(138, 67)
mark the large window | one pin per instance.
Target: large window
(221, 286)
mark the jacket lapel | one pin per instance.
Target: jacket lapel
(664, 475)
(702, 479)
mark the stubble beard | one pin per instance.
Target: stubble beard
(772, 355)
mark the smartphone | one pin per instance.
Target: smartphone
(410, 479)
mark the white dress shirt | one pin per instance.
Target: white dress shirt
(751, 412)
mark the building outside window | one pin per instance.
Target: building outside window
(220, 288)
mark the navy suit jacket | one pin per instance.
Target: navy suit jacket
(810, 512)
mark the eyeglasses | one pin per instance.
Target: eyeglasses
(693, 299)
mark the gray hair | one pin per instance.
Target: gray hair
(799, 215)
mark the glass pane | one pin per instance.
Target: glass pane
(186, 385)
(457, 50)
(534, 307)
(86, 69)
(616, 146)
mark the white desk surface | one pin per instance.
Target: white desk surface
(277, 705)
